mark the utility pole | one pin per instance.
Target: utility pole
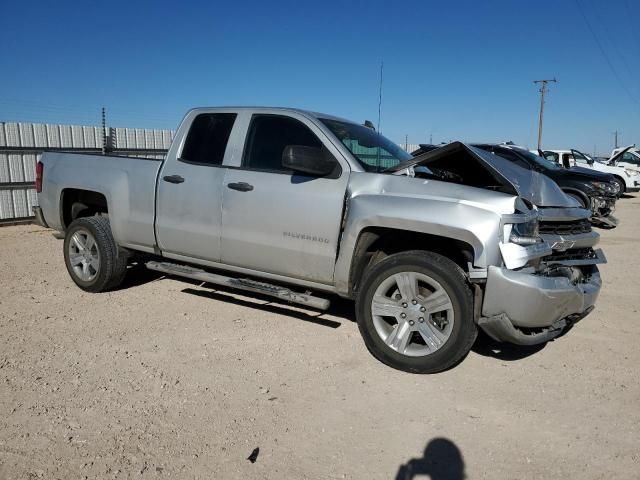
(406, 142)
(543, 91)
(615, 136)
(431, 139)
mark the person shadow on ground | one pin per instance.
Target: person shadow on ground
(442, 460)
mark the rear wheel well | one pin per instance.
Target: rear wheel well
(76, 203)
(376, 243)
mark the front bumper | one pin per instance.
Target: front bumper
(635, 188)
(542, 305)
(37, 212)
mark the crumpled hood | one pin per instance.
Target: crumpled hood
(531, 185)
(534, 186)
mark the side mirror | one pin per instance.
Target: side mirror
(311, 160)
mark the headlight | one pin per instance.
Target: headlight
(628, 172)
(603, 186)
(525, 233)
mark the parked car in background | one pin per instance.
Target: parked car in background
(285, 202)
(627, 157)
(628, 180)
(592, 190)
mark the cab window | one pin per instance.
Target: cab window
(207, 139)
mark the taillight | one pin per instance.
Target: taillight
(39, 170)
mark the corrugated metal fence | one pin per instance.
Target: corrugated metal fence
(21, 145)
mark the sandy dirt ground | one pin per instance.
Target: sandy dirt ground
(166, 378)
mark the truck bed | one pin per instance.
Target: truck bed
(127, 183)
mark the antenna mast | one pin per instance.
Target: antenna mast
(379, 113)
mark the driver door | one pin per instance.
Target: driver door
(278, 221)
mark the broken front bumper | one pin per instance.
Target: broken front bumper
(527, 308)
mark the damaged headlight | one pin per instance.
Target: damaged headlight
(603, 187)
(525, 233)
(521, 227)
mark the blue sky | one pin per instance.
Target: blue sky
(456, 70)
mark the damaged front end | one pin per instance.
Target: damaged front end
(546, 286)
(548, 278)
(602, 208)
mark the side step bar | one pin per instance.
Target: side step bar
(246, 284)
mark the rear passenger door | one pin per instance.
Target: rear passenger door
(278, 221)
(189, 210)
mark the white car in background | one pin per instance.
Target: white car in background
(627, 157)
(628, 180)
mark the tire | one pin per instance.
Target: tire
(91, 255)
(416, 347)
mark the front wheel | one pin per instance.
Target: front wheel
(415, 312)
(621, 185)
(91, 255)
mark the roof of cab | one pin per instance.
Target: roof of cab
(253, 109)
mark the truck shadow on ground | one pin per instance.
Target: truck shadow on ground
(442, 460)
(340, 308)
(488, 347)
(263, 303)
(138, 274)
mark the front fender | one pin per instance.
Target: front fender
(467, 221)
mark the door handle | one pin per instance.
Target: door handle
(173, 178)
(240, 186)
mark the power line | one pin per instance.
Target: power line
(632, 27)
(604, 54)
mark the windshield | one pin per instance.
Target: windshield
(374, 152)
(540, 161)
(580, 156)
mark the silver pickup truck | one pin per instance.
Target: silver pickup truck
(301, 206)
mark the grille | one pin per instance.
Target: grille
(565, 228)
(574, 254)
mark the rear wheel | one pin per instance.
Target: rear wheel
(415, 312)
(91, 255)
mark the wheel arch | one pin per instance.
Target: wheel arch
(586, 199)
(77, 203)
(376, 243)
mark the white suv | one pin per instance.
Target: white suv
(627, 179)
(628, 157)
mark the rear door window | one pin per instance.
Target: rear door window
(207, 139)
